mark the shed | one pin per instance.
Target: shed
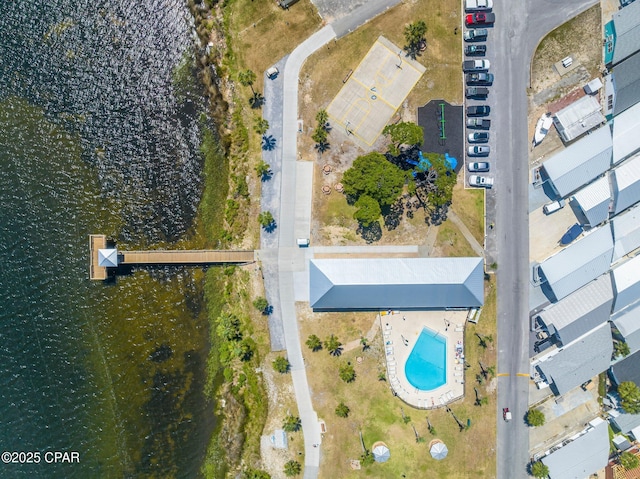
(621, 442)
(594, 200)
(626, 233)
(626, 80)
(593, 86)
(626, 140)
(400, 283)
(579, 164)
(579, 263)
(578, 118)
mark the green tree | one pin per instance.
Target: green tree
(376, 177)
(281, 364)
(364, 342)
(292, 468)
(314, 343)
(261, 304)
(629, 461)
(257, 474)
(292, 424)
(266, 219)
(620, 349)
(263, 169)
(347, 373)
(445, 180)
(322, 117)
(414, 34)
(342, 410)
(630, 396)
(261, 125)
(319, 136)
(247, 78)
(539, 470)
(332, 345)
(403, 133)
(368, 210)
(366, 459)
(535, 418)
(229, 327)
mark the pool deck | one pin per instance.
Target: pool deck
(401, 330)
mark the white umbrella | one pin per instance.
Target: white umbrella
(381, 453)
(439, 451)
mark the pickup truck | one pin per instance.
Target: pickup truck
(475, 65)
(475, 50)
(477, 35)
(480, 18)
(476, 5)
(482, 181)
(476, 92)
(479, 123)
(479, 78)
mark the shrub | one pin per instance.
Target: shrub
(535, 418)
(281, 364)
(342, 410)
(347, 373)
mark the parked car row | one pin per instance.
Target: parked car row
(477, 79)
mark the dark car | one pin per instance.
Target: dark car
(478, 110)
(480, 18)
(475, 50)
(479, 78)
(476, 92)
(476, 35)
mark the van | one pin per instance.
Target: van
(553, 207)
(302, 242)
(272, 73)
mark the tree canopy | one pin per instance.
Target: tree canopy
(629, 461)
(246, 78)
(314, 343)
(445, 180)
(281, 364)
(292, 424)
(404, 133)
(292, 468)
(630, 396)
(414, 34)
(342, 410)
(347, 373)
(368, 210)
(539, 470)
(374, 176)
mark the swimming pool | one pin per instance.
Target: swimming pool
(426, 367)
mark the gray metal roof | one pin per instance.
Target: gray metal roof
(581, 457)
(626, 278)
(626, 233)
(626, 422)
(108, 257)
(594, 200)
(626, 78)
(579, 361)
(403, 283)
(626, 140)
(580, 163)
(579, 263)
(578, 118)
(581, 311)
(626, 184)
(628, 323)
(627, 370)
(626, 24)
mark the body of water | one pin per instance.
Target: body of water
(100, 122)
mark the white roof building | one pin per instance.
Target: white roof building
(627, 32)
(578, 118)
(108, 257)
(594, 201)
(626, 279)
(628, 323)
(626, 184)
(579, 263)
(626, 140)
(626, 233)
(580, 163)
(581, 311)
(396, 283)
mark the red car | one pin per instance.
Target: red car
(480, 18)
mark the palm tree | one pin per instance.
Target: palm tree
(620, 349)
(365, 343)
(246, 78)
(314, 343)
(347, 373)
(292, 423)
(342, 410)
(292, 468)
(333, 346)
(257, 100)
(281, 365)
(261, 125)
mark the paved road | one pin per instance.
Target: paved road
(519, 28)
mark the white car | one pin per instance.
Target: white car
(478, 150)
(482, 181)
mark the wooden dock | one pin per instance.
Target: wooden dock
(96, 242)
(187, 257)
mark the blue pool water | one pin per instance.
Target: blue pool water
(426, 368)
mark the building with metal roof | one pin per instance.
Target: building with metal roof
(625, 34)
(581, 311)
(594, 201)
(626, 233)
(626, 280)
(626, 81)
(626, 184)
(396, 283)
(578, 118)
(626, 370)
(583, 456)
(624, 422)
(626, 140)
(577, 362)
(580, 163)
(108, 257)
(627, 322)
(579, 263)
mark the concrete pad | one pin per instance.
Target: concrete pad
(545, 231)
(374, 91)
(304, 196)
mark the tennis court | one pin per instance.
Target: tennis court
(374, 91)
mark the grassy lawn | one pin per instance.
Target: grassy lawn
(468, 204)
(451, 242)
(378, 415)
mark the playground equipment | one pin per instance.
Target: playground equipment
(423, 164)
